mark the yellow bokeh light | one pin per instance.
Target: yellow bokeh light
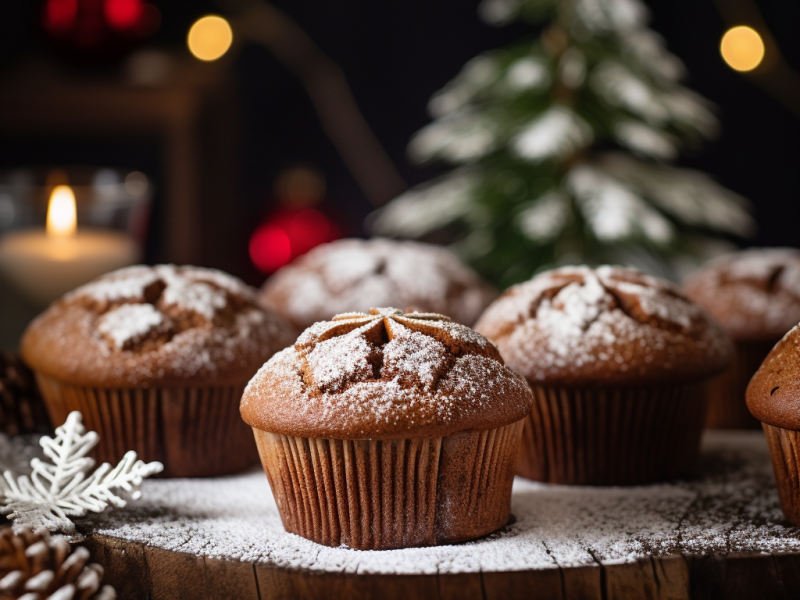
(742, 48)
(209, 38)
(61, 212)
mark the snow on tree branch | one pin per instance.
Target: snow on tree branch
(557, 132)
(567, 141)
(55, 492)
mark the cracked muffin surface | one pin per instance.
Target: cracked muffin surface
(605, 325)
(356, 274)
(754, 293)
(163, 324)
(385, 374)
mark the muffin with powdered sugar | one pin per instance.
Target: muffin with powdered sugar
(156, 359)
(618, 362)
(354, 274)
(773, 397)
(388, 430)
(755, 295)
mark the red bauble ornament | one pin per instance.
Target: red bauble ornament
(287, 234)
(98, 30)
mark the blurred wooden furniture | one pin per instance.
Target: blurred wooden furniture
(189, 107)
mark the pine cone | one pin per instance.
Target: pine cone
(35, 567)
(21, 405)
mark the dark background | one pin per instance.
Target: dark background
(395, 55)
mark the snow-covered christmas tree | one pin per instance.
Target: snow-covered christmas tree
(563, 147)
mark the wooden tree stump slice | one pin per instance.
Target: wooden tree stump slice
(719, 534)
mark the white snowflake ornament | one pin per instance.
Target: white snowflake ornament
(55, 492)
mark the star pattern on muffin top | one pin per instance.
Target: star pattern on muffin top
(385, 372)
(411, 348)
(603, 324)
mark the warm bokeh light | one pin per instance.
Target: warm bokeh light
(62, 218)
(742, 48)
(209, 38)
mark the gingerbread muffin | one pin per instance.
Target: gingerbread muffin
(388, 430)
(358, 274)
(755, 295)
(773, 398)
(156, 359)
(618, 363)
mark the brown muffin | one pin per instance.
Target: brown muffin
(358, 274)
(388, 430)
(156, 359)
(773, 397)
(617, 361)
(755, 295)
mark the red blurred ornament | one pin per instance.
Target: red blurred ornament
(59, 15)
(287, 234)
(293, 229)
(270, 248)
(123, 14)
(98, 31)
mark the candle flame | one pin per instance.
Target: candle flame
(62, 219)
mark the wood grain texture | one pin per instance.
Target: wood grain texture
(718, 534)
(137, 572)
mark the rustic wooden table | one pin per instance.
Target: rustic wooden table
(720, 534)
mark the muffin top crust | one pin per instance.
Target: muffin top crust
(609, 325)
(386, 374)
(165, 324)
(754, 294)
(355, 274)
(773, 395)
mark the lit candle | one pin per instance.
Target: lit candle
(47, 264)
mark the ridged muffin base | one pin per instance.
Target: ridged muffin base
(612, 436)
(193, 431)
(382, 494)
(727, 408)
(784, 448)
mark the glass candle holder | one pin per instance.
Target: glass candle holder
(63, 227)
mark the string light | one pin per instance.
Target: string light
(209, 38)
(742, 48)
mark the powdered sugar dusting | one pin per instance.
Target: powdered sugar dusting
(754, 293)
(730, 507)
(130, 323)
(336, 361)
(412, 355)
(145, 324)
(196, 296)
(605, 323)
(363, 376)
(126, 284)
(355, 275)
(579, 303)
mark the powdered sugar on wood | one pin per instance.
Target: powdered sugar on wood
(730, 506)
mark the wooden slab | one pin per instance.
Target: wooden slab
(719, 534)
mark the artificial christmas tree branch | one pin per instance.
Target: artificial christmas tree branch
(561, 150)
